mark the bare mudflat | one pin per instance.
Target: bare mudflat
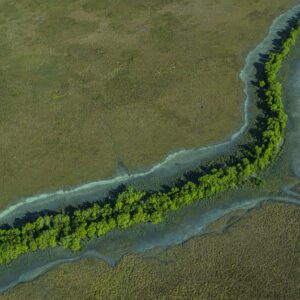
(256, 257)
(87, 85)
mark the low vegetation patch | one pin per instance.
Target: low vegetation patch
(70, 228)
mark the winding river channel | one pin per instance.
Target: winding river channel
(281, 178)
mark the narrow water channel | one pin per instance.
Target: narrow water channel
(190, 221)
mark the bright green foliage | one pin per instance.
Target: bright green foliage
(68, 229)
(262, 84)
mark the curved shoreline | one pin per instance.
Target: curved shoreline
(172, 158)
(245, 74)
(24, 205)
(210, 218)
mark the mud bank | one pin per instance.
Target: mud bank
(188, 223)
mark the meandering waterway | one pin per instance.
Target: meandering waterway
(189, 221)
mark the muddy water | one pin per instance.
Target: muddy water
(190, 221)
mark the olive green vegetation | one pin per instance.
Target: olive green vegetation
(86, 84)
(70, 228)
(246, 256)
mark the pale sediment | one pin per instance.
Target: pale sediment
(167, 168)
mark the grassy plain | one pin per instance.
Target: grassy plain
(256, 257)
(88, 84)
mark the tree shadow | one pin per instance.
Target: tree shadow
(223, 162)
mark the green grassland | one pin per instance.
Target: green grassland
(87, 84)
(257, 257)
(70, 228)
(95, 291)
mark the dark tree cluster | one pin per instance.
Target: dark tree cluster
(69, 229)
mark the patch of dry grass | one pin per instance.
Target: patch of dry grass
(256, 258)
(85, 85)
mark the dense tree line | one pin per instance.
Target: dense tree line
(70, 229)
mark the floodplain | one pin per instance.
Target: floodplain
(183, 290)
(89, 88)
